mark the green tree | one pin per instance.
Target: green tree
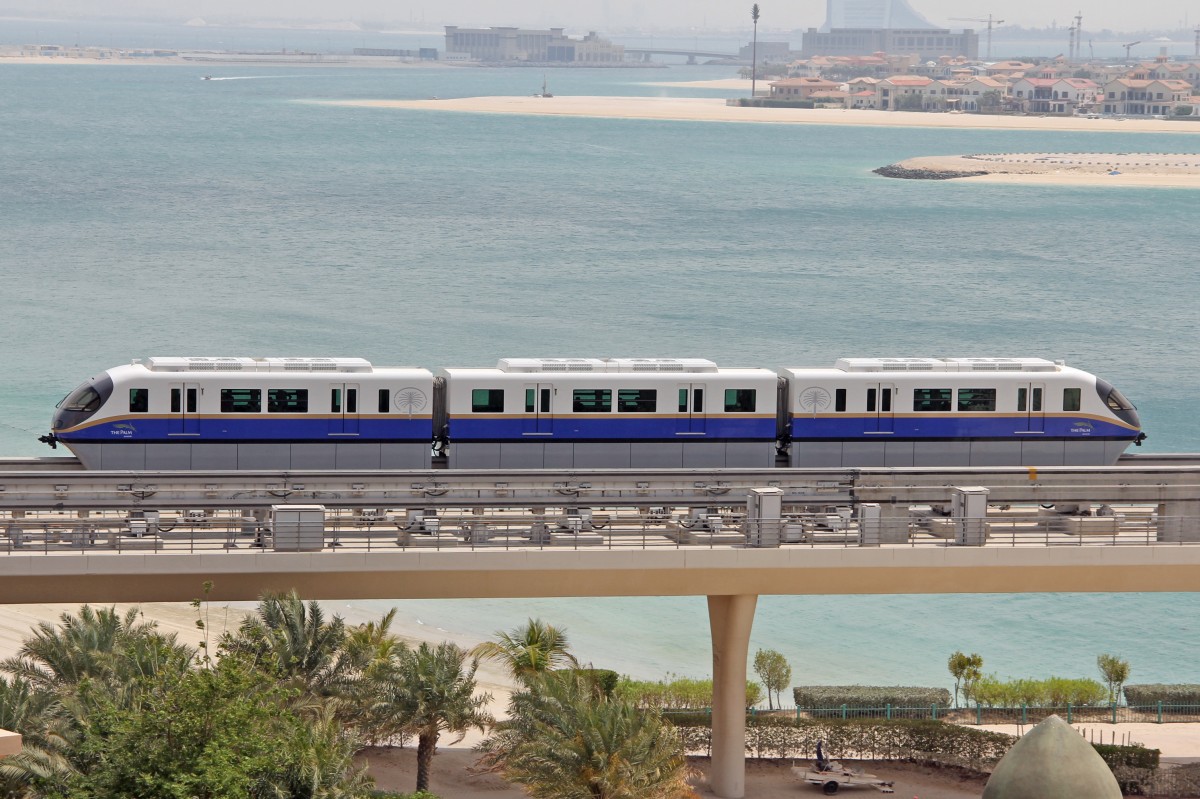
(1115, 672)
(220, 733)
(529, 650)
(435, 693)
(292, 640)
(966, 670)
(97, 644)
(565, 740)
(773, 669)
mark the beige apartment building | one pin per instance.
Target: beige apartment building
(538, 46)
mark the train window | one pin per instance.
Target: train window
(871, 400)
(839, 400)
(139, 400)
(740, 400)
(637, 400)
(1117, 402)
(931, 400)
(175, 400)
(385, 400)
(352, 400)
(530, 400)
(1071, 399)
(241, 400)
(487, 400)
(977, 399)
(83, 399)
(287, 400)
(683, 400)
(592, 400)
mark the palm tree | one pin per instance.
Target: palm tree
(294, 640)
(527, 651)
(754, 50)
(565, 740)
(97, 643)
(62, 674)
(435, 693)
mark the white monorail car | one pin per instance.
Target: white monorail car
(907, 412)
(613, 413)
(250, 413)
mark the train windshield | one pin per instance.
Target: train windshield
(1117, 402)
(84, 399)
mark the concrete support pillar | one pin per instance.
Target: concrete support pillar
(730, 618)
(1175, 525)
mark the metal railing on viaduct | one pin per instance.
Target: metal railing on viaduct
(730, 535)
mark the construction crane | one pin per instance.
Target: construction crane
(1076, 38)
(1129, 47)
(990, 22)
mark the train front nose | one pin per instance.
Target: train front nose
(1121, 408)
(77, 407)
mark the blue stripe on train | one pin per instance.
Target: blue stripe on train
(265, 429)
(616, 428)
(955, 427)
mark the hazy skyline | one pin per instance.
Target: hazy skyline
(610, 14)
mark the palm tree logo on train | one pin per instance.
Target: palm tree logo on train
(410, 400)
(814, 399)
(754, 50)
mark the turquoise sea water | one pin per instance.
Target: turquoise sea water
(144, 211)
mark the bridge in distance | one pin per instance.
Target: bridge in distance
(728, 535)
(692, 55)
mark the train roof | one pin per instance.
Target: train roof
(277, 365)
(581, 367)
(946, 365)
(606, 365)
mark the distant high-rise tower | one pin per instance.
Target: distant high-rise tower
(872, 14)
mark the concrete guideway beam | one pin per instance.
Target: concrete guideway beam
(730, 618)
(244, 574)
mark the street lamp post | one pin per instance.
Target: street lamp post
(754, 50)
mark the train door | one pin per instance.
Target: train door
(880, 408)
(691, 419)
(184, 420)
(343, 409)
(538, 419)
(1029, 405)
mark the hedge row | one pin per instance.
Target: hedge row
(873, 739)
(875, 696)
(878, 739)
(1168, 694)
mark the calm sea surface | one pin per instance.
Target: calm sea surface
(144, 211)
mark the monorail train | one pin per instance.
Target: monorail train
(533, 413)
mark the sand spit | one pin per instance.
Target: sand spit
(1178, 170)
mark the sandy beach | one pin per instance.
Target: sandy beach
(703, 109)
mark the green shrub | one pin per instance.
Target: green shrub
(990, 691)
(872, 696)
(604, 679)
(677, 693)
